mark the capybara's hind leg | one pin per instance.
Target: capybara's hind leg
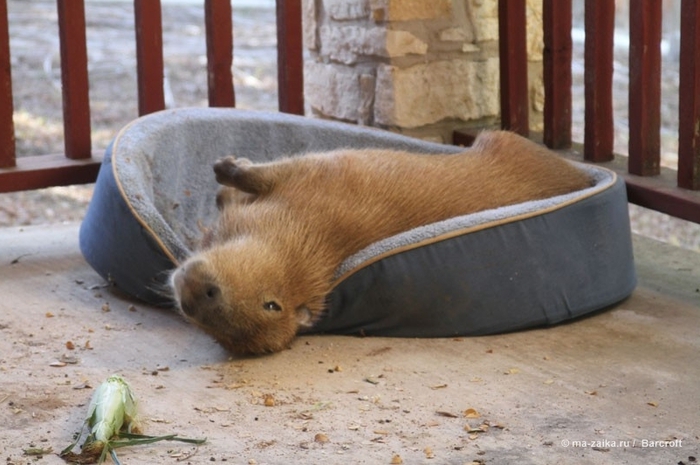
(243, 175)
(230, 195)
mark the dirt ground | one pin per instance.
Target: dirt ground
(617, 387)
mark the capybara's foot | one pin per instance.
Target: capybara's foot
(242, 174)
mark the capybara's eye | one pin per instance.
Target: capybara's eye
(272, 305)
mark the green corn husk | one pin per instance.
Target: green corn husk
(112, 409)
(112, 421)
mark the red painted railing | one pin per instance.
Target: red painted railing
(648, 184)
(79, 165)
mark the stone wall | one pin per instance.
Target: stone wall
(419, 67)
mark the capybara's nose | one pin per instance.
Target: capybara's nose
(212, 291)
(194, 287)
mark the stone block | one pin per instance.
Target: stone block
(401, 43)
(410, 10)
(454, 34)
(333, 90)
(345, 43)
(345, 10)
(309, 21)
(483, 19)
(428, 93)
(535, 32)
(365, 109)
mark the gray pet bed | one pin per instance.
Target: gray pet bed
(532, 264)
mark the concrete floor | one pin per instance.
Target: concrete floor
(622, 386)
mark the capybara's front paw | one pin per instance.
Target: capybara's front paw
(226, 170)
(242, 174)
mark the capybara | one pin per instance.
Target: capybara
(266, 266)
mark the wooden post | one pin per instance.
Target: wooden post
(149, 55)
(74, 78)
(290, 68)
(557, 73)
(7, 127)
(512, 37)
(598, 61)
(689, 97)
(219, 30)
(645, 87)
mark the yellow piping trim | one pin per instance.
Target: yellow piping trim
(476, 228)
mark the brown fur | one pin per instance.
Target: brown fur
(267, 265)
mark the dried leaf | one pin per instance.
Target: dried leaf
(512, 371)
(57, 364)
(321, 438)
(70, 345)
(653, 404)
(380, 351)
(438, 386)
(269, 400)
(396, 460)
(428, 453)
(446, 414)
(471, 413)
(479, 429)
(37, 451)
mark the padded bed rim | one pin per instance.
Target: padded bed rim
(115, 154)
(442, 237)
(596, 190)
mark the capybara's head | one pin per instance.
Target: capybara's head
(248, 295)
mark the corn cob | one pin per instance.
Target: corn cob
(112, 416)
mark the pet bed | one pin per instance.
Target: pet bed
(532, 264)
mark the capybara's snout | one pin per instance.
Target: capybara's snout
(196, 291)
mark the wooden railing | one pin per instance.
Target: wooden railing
(648, 184)
(79, 164)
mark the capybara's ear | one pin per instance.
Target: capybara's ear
(243, 175)
(304, 317)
